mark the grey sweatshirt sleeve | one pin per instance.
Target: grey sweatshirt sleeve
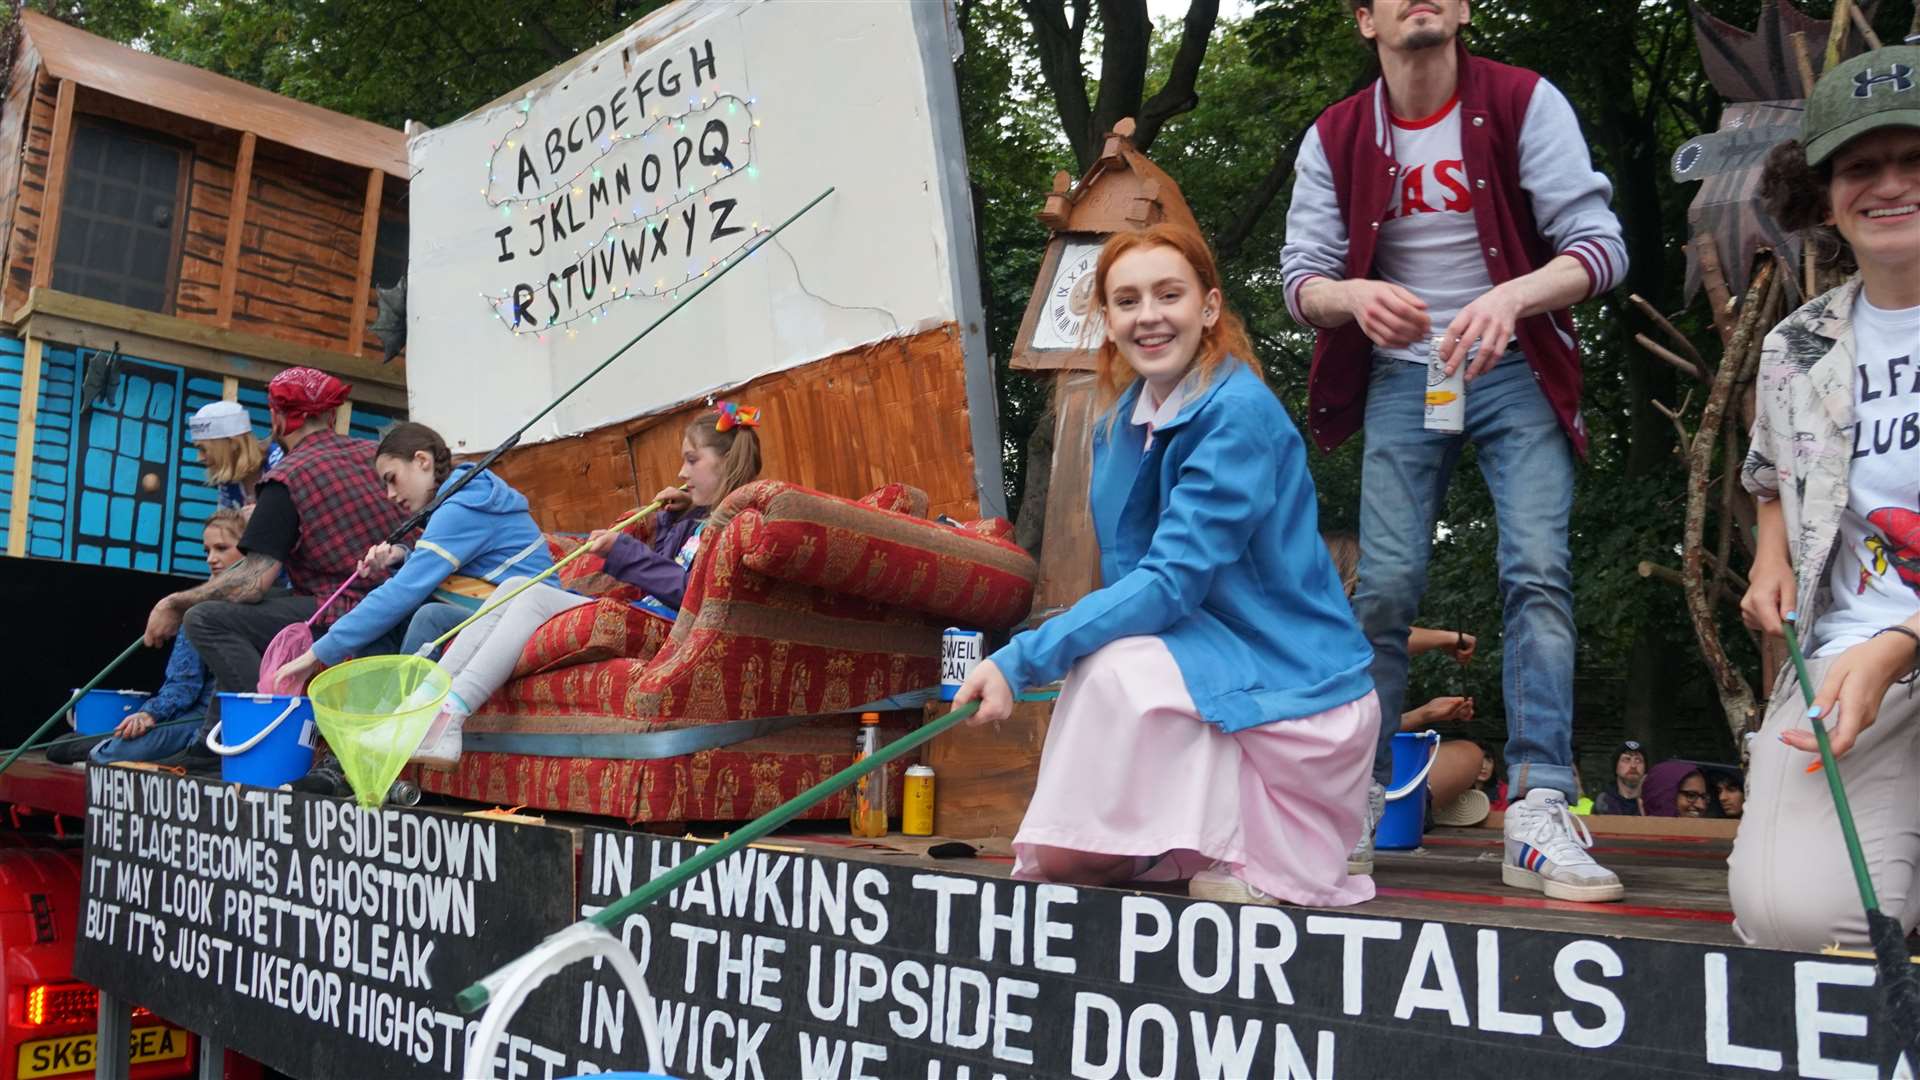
(1569, 196)
(1316, 244)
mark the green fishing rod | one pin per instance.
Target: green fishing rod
(475, 997)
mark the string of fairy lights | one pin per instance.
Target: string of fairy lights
(598, 171)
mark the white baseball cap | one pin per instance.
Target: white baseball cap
(219, 420)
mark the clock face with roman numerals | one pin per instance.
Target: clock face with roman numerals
(1070, 317)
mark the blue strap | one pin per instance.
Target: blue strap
(654, 745)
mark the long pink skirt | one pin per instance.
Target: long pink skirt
(1131, 768)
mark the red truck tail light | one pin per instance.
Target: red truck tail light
(66, 1003)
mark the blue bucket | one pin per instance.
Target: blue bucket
(263, 739)
(1406, 815)
(100, 711)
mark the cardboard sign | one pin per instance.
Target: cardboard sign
(549, 228)
(783, 965)
(304, 932)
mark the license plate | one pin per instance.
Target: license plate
(74, 1053)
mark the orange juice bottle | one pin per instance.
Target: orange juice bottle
(869, 815)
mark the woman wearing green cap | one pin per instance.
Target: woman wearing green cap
(1835, 469)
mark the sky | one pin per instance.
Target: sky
(1229, 9)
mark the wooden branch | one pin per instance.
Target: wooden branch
(363, 280)
(58, 154)
(1803, 60)
(1861, 24)
(1736, 697)
(1176, 95)
(1713, 278)
(1227, 242)
(1837, 34)
(1663, 573)
(1668, 355)
(1733, 577)
(1653, 316)
(1686, 438)
(236, 226)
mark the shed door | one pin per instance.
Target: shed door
(128, 434)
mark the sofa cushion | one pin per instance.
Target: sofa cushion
(603, 630)
(846, 549)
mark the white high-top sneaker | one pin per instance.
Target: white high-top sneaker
(1360, 860)
(1547, 851)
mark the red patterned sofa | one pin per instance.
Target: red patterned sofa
(799, 603)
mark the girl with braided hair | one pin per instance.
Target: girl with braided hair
(483, 532)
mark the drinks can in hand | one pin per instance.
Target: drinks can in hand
(960, 651)
(1446, 394)
(916, 811)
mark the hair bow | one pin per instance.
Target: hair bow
(732, 415)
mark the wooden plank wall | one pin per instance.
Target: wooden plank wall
(895, 411)
(15, 106)
(300, 247)
(25, 234)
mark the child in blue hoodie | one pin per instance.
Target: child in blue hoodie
(483, 532)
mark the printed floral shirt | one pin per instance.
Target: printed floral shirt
(1803, 435)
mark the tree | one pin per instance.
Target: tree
(1126, 45)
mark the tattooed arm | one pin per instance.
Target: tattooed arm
(246, 582)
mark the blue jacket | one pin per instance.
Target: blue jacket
(188, 688)
(484, 531)
(1210, 540)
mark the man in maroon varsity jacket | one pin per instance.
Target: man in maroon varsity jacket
(1454, 199)
(316, 513)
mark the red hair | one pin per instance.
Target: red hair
(1226, 337)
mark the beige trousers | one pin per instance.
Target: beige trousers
(1789, 877)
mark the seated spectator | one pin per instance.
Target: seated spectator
(317, 513)
(1730, 794)
(158, 728)
(222, 433)
(1675, 789)
(1461, 785)
(1622, 796)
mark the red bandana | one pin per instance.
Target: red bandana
(300, 393)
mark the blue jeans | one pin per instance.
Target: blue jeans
(1528, 464)
(161, 742)
(429, 622)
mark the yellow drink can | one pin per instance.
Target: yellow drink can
(916, 815)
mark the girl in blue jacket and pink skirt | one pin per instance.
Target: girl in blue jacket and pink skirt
(1217, 722)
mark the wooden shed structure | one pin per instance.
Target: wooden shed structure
(180, 237)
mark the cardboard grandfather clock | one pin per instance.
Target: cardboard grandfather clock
(986, 775)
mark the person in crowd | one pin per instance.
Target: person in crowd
(719, 453)
(1622, 795)
(1217, 721)
(317, 513)
(1729, 794)
(1838, 545)
(159, 728)
(1675, 789)
(1454, 763)
(1451, 205)
(1458, 786)
(482, 531)
(222, 434)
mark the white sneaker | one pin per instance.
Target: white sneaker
(1360, 860)
(441, 747)
(1547, 851)
(1218, 884)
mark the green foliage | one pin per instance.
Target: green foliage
(1630, 68)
